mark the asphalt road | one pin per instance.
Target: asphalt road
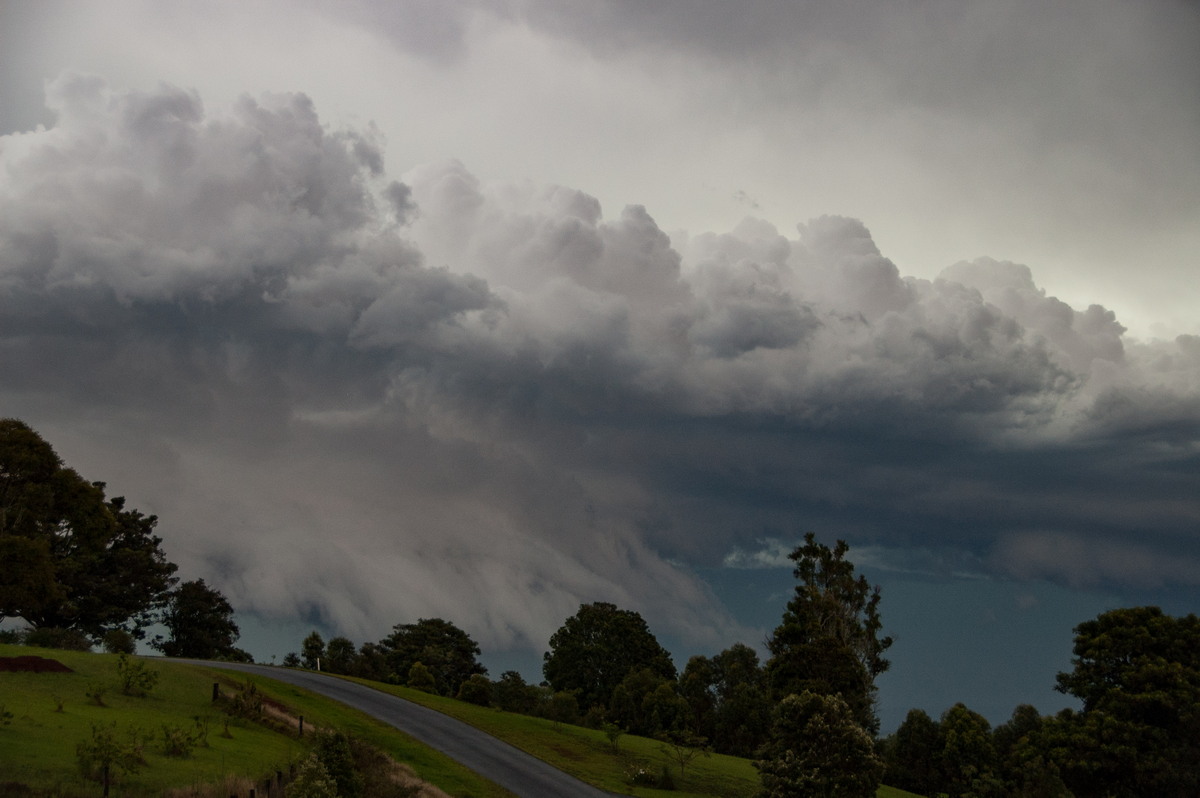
(510, 767)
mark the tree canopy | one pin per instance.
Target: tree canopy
(78, 560)
(829, 640)
(447, 651)
(597, 648)
(201, 625)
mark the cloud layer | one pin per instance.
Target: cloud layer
(368, 397)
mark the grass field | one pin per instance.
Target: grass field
(37, 746)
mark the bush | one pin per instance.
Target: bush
(95, 693)
(118, 641)
(476, 690)
(178, 741)
(247, 702)
(101, 757)
(312, 781)
(135, 677)
(65, 639)
(5, 716)
(419, 678)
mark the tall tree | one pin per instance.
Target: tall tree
(913, 754)
(1137, 671)
(829, 641)
(312, 650)
(200, 621)
(447, 651)
(86, 562)
(597, 647)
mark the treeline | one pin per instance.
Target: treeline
(1136, 672)
(82, 569)
(605, 669)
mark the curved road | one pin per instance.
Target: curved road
(492, 758)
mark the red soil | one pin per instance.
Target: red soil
(33, 665)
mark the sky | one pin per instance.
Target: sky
(486, 310)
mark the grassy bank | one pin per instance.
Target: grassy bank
(51, 713)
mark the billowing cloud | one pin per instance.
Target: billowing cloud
(368, 397)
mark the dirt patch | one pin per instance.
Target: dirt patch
(30, 664)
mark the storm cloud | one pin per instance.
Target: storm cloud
(365, 397)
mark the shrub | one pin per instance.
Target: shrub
(247, 702)
(135, 677)
(104, 754)
(178, 741)
(312, 781)
(333, 751)
(53, 637)
(118, 641)
(5, 716)
(419, 678)
(476, 690)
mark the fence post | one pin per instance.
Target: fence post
(216, 691)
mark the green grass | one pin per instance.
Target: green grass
(37, 747)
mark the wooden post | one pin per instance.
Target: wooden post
(216, 691)
(301, 725)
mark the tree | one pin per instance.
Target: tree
(447, 651)
(339, 655)
(200, 622)
(817, 748)
(913, 754)
(597, 647)
(312, 650)
(968, 756)
(512, 694)
(476, 690)
(829, 641)
(1137, 671)
(78, 560)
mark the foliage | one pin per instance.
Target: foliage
(96, 692)
(333, 751)
(312, 781)
(968, 757)
(829, 641)
(179, 741)
(682, 747)
(105, 755)
(913, 754)
(339, 655)
(614, 733)
(1137, 672)
(597, 648)
(447, 651)
(77, 560)
(419, 678)
(56, 637)
(5, 716)
(563, 707)
(312, 650)
(817, 748)
(200, 622)
(247, 702)
(476, 690)
(512, 694)
(728, 699)
(119, 641)
(135, 677)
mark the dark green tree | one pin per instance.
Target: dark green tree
(597, 647)
(512, 694)
(829, 641)
(79, 560)
(201, 625)
(1137, 672)
(339, 655)
(913, 754)
(447, 651)
(817, 748)
(312, 650)
(729, 700)
(968, 757)
(476, 690)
